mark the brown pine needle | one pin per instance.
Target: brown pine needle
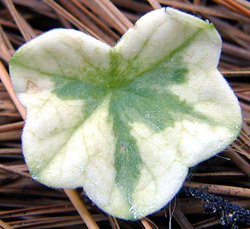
(13, 170)
(113, 222)
(26, 203)
(155, 4)
(244, 3)
(5, 225)
(113, 9)
(99, 23)
(224, 3)
(110, 14)
(7, 83)
(71, 18)
(81, 208)
(5, 45)
(12, 126)
(204, 10)
(238, 7)
(181, 219)
(238, 160)
(145, 223)
(19, 21)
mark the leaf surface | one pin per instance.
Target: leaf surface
(125, 122)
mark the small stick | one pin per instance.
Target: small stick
(236, 73)
(81, 208)
(220, 189)
(214, 174)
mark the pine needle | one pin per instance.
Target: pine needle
(26, 203)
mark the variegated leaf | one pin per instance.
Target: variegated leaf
(125, 122)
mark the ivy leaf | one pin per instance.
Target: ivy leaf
(125, 122)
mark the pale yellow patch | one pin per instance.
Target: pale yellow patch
(99, 176)
(185, 17)
(196, 79)
(166, 157)
(139, 43)
(213, 96)
(29, 80)
(161, 167)
(48, 126)
(158, 192)
(86, 160)
(200, 141)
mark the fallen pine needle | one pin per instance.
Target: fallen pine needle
(81, 208)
